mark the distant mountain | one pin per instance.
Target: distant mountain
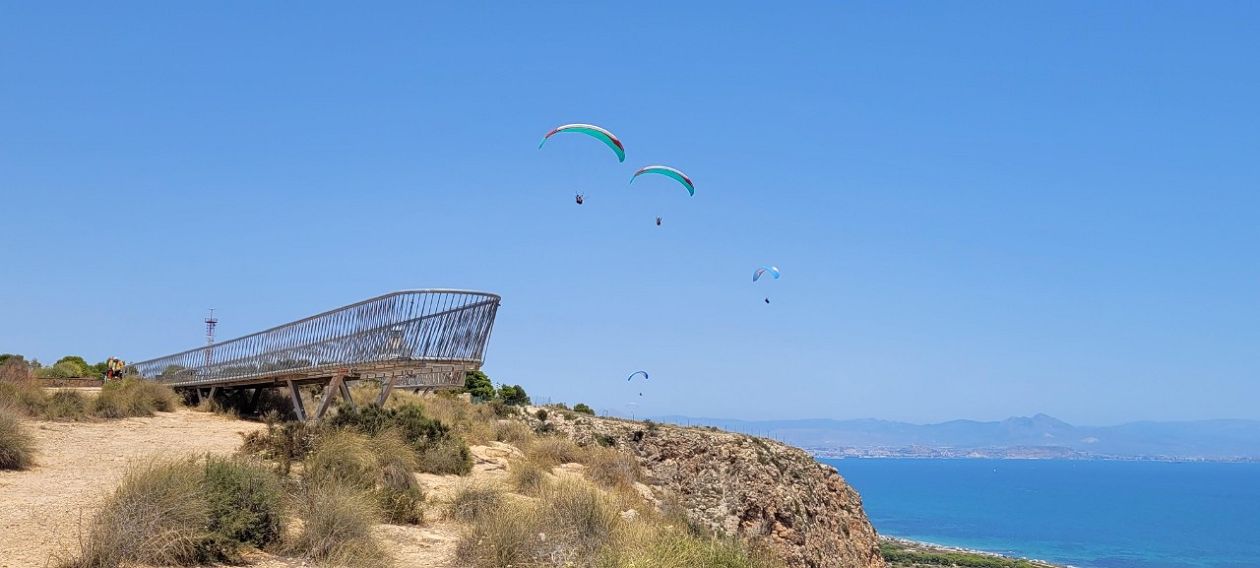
(1034, 436)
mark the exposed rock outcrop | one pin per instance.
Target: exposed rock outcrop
(747, 486)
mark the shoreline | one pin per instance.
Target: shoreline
(918, 545)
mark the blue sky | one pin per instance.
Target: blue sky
(980, 209)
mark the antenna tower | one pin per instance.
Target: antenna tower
(211, 321)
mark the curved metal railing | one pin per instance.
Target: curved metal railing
(444, 326)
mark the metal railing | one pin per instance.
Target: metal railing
(416, 326)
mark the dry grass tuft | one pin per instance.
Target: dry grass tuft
(337, 526)
(134, 397)
(379, 465)
(528, 477)
(610, 468)
(156, 516)
(66, 405)
(23, 395)
(551, 451)
(17, 447)
(514, 432)
(473, 501)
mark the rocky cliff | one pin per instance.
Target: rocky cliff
(747, 486)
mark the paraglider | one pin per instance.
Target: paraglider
(670, 173)
(658, 221)
(593, 131)
(579, 198)
(632, 375)
(773, 271)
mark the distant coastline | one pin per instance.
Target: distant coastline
(901, 552)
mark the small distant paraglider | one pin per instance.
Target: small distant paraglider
(632, 375)
(608, 138)
(773, 271)
(579, 198)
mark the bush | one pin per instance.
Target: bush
(17, 447)
(513, 395)
(541, 414)
(380, 466)
(66, 405)
(132, 397)
(582, 408)
(337, 525)
(474, 501)
(478, 385)
(183, 513)
(284, 443)
(245, 502)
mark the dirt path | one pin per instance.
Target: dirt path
(79, 462)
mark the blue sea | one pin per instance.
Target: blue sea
(1092, 514)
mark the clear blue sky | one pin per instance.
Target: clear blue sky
(980, 209)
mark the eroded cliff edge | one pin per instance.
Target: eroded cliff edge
(742, 485)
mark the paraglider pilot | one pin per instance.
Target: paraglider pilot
(579, 199)
(658, 221)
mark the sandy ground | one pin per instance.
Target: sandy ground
(79, 463)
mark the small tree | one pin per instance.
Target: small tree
(583, 408)
(513, 395)
(478, 385)
(74, 366)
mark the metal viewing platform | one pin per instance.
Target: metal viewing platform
(413, 339)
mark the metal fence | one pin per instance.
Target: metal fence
(440, 326)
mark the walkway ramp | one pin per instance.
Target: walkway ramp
(413, 339)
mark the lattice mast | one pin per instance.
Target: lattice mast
(211, 321)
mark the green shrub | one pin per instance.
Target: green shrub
(66, 405)
(513, 395)
(245, 501)
(17, 447)
(478, 385)
(541, 414)
(582, 408)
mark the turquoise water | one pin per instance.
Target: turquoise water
(1095, 514)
